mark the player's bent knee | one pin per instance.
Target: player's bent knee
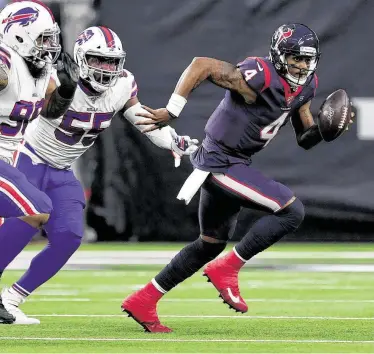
(211, 239)
(67, 242)
(210, 249)
(292, 215)
(36, 221)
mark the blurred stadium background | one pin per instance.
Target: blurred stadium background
(313, 292)
(131, 185)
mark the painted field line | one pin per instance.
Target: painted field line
(62, 299)
(68, 299)
(268, 300)
(189, 340)
(226, 316)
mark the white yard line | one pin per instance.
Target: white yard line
(100, 258)
(68, 299)
(190, 340)
(63, 299)
(271, 300)
(241, 317)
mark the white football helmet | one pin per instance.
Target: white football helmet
(29, 28)
(99, 54)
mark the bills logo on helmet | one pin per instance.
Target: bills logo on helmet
(283, 35)
(23, 17)
(84, 37)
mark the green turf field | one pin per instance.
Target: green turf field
(289, 311)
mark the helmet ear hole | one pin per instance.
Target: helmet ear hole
(19, 39)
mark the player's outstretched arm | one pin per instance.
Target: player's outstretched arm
(58, 99)
(307, 133)
(219, 72)
(164, 138)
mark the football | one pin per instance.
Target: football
(334, 115)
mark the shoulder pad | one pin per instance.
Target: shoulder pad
(256, 73)
(131, 81)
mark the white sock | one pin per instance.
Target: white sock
(15, 297)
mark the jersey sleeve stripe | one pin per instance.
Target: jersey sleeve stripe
(134, 93)
(5, 60)
(5, 52)
(267, 74)
(134, 90)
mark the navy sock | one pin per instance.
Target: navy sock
(187, 262)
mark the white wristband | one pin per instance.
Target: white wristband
(176, 104)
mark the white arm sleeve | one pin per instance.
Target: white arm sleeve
(161, 137)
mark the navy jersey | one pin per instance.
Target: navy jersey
(236, 130)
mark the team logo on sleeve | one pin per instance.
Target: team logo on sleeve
(23, 17)
(84, 37)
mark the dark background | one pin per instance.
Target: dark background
(135, 184)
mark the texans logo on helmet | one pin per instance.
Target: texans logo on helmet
(23, 17)
(284, 35)
(84, 37)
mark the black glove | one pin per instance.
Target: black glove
(68, 74)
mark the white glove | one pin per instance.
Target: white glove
(181, 145)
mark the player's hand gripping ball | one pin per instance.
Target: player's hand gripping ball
(335, 115)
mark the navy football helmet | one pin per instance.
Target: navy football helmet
(298, 40)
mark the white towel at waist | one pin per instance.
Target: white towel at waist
(192, 185)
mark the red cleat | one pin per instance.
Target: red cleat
(141, 306)
(223, 274)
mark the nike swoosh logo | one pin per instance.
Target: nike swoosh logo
(235, 299)
(260, 68)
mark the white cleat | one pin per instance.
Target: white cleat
(11, 301)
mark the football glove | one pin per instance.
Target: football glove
(182, 145)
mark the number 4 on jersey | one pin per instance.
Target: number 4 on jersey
(252, 72)
(271, 130)
(249, 74)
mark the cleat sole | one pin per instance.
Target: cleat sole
(146, 330)
(129, 314)
(220, 296)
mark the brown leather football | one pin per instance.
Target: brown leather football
(334, 115)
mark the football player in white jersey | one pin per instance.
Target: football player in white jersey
(50, 147)
(29, 45)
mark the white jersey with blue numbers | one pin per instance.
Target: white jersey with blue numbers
(59, 142)
(20, 101)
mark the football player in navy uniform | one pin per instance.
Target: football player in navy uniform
(262, 95)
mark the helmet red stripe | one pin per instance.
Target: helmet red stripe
(109, 38)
